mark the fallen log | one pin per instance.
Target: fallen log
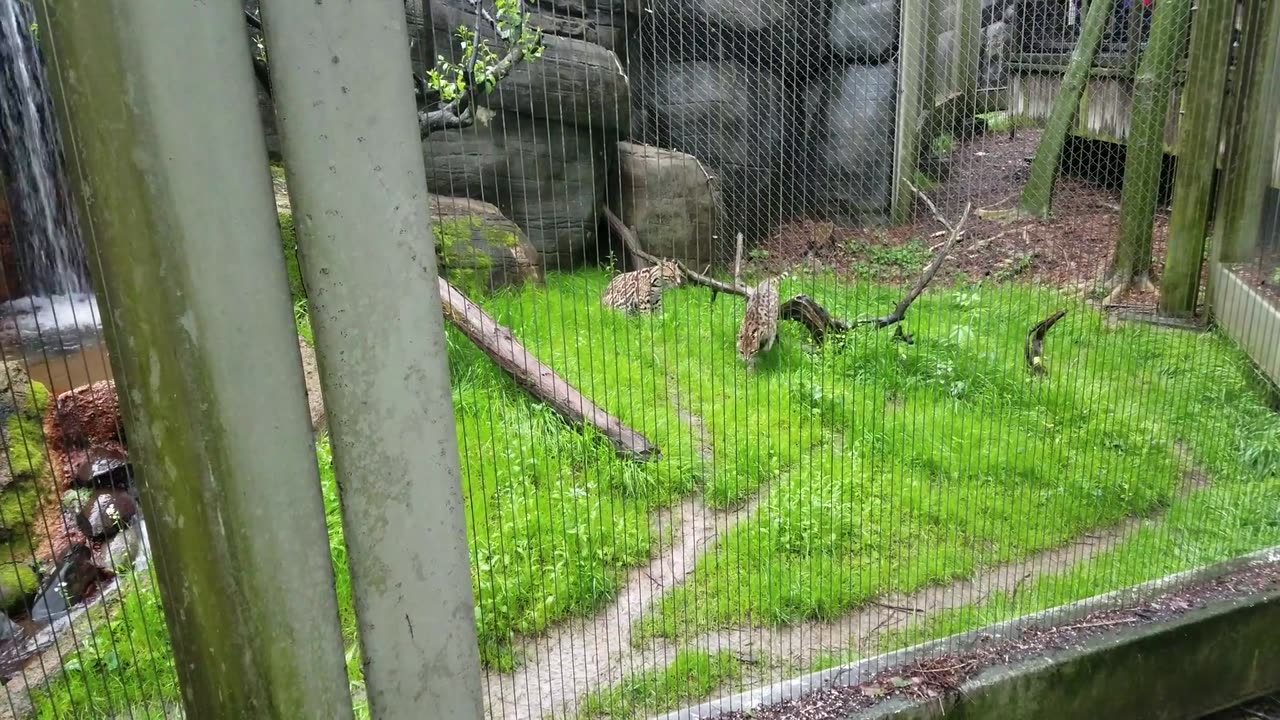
(806, 311)
(536, 378)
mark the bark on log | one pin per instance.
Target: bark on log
(536, 378)
(806, 311)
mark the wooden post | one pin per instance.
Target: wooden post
(913, 28)
(1144, 154)
(1203, 99)
(968, 55)
(1251, 142)
(158, 101)
(1037, 194)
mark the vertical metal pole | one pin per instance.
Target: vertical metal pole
(166, 151)
(348, 124)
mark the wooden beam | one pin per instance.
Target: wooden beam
(913, 42)
(968, 53)
(535, 377)
(1144, 156)
(1203, 97)
(1250, 145)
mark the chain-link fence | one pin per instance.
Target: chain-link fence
(782, 336)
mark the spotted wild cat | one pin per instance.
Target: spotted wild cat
(640, 291)
(759, 321)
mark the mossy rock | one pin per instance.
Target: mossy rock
(477, 248)
(23, 427)
(20, 394)
(18, 585)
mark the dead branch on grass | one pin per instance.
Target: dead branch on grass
(802, 308)
(900, 311)
(1033, 351)
(629, 239)
(537, 378)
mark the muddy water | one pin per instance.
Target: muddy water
(89, 363)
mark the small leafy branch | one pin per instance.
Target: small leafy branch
(481, 69)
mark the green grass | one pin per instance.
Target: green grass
(124, 668)
(876, 466)
(692, 676)
(945, 456)
(1001, 121)
(1211, 526)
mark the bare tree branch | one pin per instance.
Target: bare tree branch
(900, 311)
(458, 113)
(629, 238)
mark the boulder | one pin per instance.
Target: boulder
(86, 416)
(15, 387)
(851, 133)
(548, 178)
(574, 81)
(8, 257)
(106, 514)
(8, 629)
(864, 30)
(122, 552)
(732, 118)
(70, 581)
(669, 200)
(18, 583)
(101, 466)
(786, 36)
(475, 244)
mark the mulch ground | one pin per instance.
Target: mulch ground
(940, 676)
(1071, 249)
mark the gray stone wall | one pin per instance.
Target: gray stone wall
(768, 109)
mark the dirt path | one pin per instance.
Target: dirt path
(578, 657)
(575, 657)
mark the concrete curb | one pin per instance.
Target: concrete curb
(858, 672)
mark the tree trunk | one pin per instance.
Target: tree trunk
(1037, 194)
(1144, 155)
(538, 379)
(1198, 145)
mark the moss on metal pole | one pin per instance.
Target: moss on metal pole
(1199, 144)
(358, 186)
(1144, 147)
(170, 168)
(1037, 194)
(1250, 145)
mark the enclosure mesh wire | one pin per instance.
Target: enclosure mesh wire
(844, 497)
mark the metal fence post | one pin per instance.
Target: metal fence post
(344, 98)
(166, 149)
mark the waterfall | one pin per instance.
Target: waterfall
(48, 246)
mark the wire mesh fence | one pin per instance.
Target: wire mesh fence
(782, 336)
